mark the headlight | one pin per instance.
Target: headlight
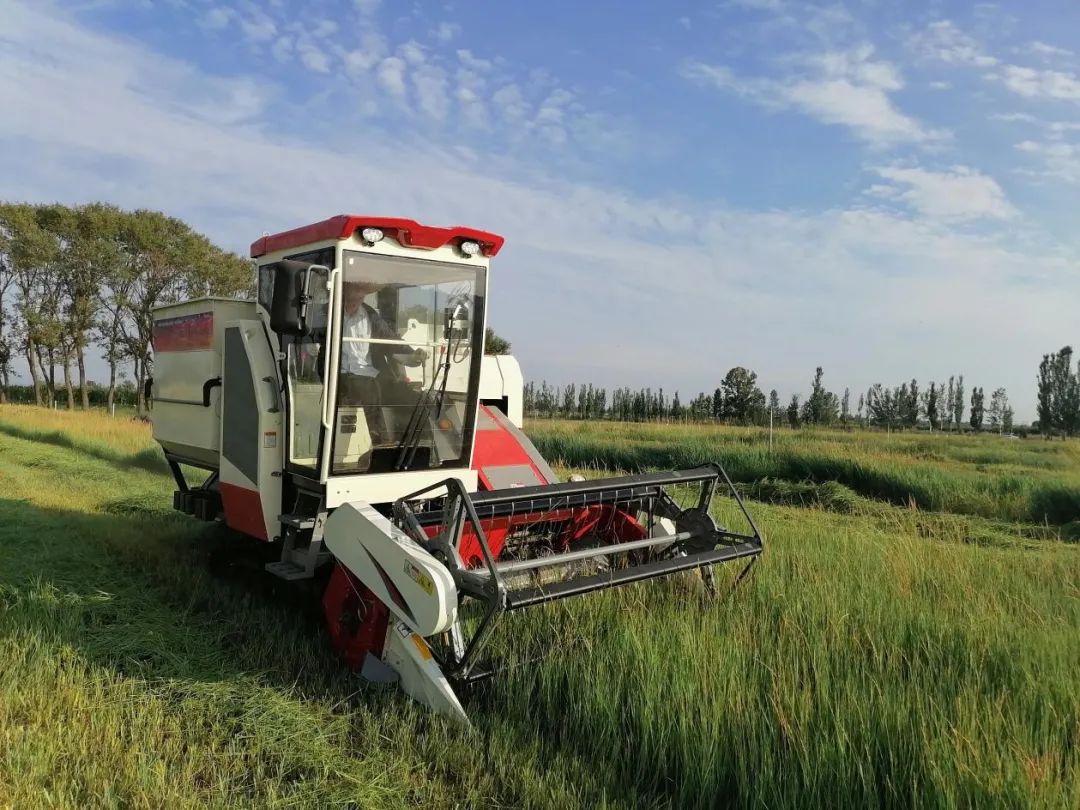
(470, 248)
(372, 235)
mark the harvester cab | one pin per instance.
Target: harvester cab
(349, 416)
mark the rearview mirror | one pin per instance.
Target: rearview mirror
(289, 304)
(457, 318)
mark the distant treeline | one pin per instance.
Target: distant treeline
(124, 395)
(738, 400)
(74, 279)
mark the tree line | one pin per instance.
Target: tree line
(1058, 394)
(78, 278)
(739, 400)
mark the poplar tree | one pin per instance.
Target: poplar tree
(977, 409)
(958, 402)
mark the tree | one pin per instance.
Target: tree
(950, 401)
(1059, 393)
(717, 409)
(742, 400)
(1045, 395)
(167, 261)
(1007, 417)
(28, 253)
(774, 404)
(676, 410)
(89, 256)
(793, 411)
(932, 408)
(568, 400)
(845, 406)
(700, 407)
(821, 407)
(7, 332)
(909, 405)
(958, 402)
(999, 403)
(977, 409)
(882, 405)
(493, 344)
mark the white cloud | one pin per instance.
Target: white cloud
(869, 274)
(1013, 117)
(1057, 129)
(312, 56)
(412, 52)
(1035, 83)
(258, 29)
(942, 41)
(447, 31)
(846, 88)
(216, 18)
(940, 85)
(759, 5)
(1046, 50)
(960, 193)
(322, 29)
(466, 58)
(373, 48)
(510, 102)
(391, 76)
(1060, 160)
(470, 92)
(431, 94)
(367, 7)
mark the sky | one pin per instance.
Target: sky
(886, 189)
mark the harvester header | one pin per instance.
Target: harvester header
(349, 417)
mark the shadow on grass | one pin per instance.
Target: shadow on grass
(150, 459)
(167, 600)
(158, 596)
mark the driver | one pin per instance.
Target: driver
(361, 362)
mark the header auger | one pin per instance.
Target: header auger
(348, 415)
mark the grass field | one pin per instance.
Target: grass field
(911, 638)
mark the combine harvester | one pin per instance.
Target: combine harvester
(348, 415)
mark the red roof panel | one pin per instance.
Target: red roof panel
(407, 231)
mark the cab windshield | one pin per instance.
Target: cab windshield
(408, 371)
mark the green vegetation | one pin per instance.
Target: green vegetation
(879, 655)
(1006, 479)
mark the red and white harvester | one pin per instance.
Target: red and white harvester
(349, 416)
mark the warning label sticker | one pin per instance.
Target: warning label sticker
(420, 578)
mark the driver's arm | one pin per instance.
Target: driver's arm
(383, 331)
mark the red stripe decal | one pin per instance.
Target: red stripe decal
(185, 333)
(243, 510)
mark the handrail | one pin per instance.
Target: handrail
(331, 353)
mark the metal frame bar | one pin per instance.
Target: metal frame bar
(487, 585)
(528, 597)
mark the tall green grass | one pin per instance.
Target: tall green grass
(1017, 480)
(148, 663)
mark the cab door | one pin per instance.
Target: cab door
(251, 431)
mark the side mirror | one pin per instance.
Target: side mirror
(457, 318)
(289, 304)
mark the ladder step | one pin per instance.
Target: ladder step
(288, 570)
(297, 521)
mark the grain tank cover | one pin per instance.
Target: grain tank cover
(188, 339)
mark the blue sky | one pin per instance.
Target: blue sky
(884, 189)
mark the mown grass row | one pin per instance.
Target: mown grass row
(1030, 480)
(859, 665)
